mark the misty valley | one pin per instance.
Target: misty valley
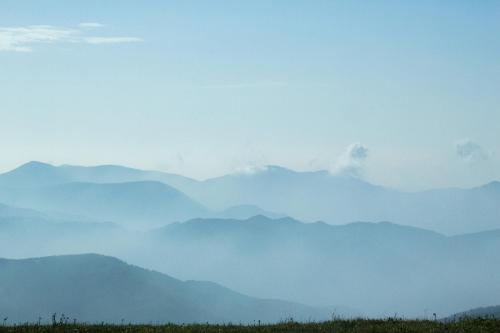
(267, 245)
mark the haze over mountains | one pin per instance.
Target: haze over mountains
(232, 230)
(322, 159)
(308, 196)
(339, 199)
(374, 267)
(359, 268)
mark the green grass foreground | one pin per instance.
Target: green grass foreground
(480, 325)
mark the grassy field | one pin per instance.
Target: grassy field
(479, 325)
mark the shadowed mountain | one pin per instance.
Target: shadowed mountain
(95, 288)
(136, 204)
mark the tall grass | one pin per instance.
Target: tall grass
(464, 325)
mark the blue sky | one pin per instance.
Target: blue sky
(203, 88)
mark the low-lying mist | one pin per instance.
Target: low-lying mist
(371, 269)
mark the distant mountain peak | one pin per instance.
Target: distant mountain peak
(259, 218)
(34, 165)
(277, 168)
(33, 173)
(494, 184)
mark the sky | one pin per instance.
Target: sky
(404, 94)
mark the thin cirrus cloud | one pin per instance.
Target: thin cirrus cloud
(111, 40)
(237, 85)
(21, 39)
(91, 25)
(24, 39)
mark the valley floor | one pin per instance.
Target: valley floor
(483, 325)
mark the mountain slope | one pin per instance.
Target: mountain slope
(308, 196)
(95, 288)
(339, 199)
(487, 311)
(375, 267)
(24, 237)
(243, 212)
(120, 174)
(136, 204)
(9, 211)
(33, 174)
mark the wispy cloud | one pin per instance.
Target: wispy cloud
(470, 151)
(23, 39)
(111, 40)
(91, 25)
(351, 161)
(238, 85)
(20, 39)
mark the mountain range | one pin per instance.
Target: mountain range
(361, 268)
(434, 253)
(340, 199)
(155, 198)
(376, 267)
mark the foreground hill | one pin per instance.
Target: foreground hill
(95, 288)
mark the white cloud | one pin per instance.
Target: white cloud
(470, 151)
(351, 161)
(20, 39)
(23, 39)
(251, 169)
(111, 40)
(91, 25)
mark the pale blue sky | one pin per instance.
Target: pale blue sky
(203, 88)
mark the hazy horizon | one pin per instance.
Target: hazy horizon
(251, 170)
(206, 89)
